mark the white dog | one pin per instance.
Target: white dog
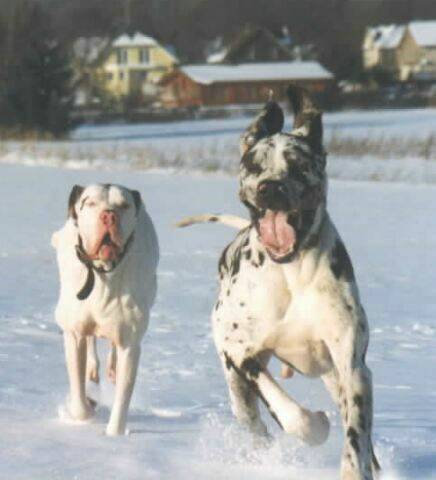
(107, 254)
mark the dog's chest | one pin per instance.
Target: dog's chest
(268, 306)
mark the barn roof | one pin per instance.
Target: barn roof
(424, 32)
(270, 71)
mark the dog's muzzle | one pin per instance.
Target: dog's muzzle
(273, 195)
(84, 258)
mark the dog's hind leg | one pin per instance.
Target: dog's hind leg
(331, 381)
(354, 392)
(79, 406)
(92, 362)
(111, 367)
(127, 365)
(311, 427)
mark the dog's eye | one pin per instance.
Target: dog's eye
(90, 203)
(124, 206)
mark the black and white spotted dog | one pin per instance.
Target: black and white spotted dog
(287, 289)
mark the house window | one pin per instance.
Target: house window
(121, 75)
(122, 56)
(144, 55)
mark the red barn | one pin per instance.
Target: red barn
(217, 85)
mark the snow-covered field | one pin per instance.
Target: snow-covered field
(408, 138)
(180, 422)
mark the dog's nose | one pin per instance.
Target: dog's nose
(269, 188)
(273, 194)
(109, 218)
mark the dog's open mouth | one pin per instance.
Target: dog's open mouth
(108, 250)
(277, 235)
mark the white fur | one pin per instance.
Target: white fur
(118, 306)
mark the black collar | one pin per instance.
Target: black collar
(86, 290)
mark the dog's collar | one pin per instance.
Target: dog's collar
(83, 257)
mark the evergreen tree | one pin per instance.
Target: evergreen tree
(35, 88)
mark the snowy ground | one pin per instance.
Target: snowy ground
(181, 426)
(212, 145)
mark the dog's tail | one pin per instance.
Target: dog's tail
(230, 220)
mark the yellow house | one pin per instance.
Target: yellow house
(392, 49)
(134, 64)
(424, 34)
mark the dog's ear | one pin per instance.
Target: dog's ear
(76, 191)
(136, 198)
(268, 122)
(307, 117)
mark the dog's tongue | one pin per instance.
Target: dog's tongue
(108, 253)
(276, 234)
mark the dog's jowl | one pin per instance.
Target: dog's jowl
(107, 254)
(287, 289)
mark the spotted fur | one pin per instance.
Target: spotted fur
(304, 309)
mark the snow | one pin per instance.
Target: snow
(424, 32)
(217, 57)
(390, 36)
(136, 40)
(209, 74)
(385, 36)
(213, 146)
(180, 422)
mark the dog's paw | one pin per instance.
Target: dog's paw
(116, 431)
(315, 429)
(77, 414)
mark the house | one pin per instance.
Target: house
(218, 85)
(252, 44)
(256, 44)
(129, 65)
(406, 52)
(135, 63)
(390, 49)
(424, 33)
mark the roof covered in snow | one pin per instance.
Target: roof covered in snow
(135, 40)
(217, 57)
(386, 36)
(208, 74)
(424, 32)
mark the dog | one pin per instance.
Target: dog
(107, 254)
(288, 290)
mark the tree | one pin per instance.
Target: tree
(35, 88)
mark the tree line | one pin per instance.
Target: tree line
(36, 36)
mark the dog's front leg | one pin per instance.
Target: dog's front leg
(311, 427)
(75, 354)
(127, 365)
(354, 395)
(243, 399)
(111, 367)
